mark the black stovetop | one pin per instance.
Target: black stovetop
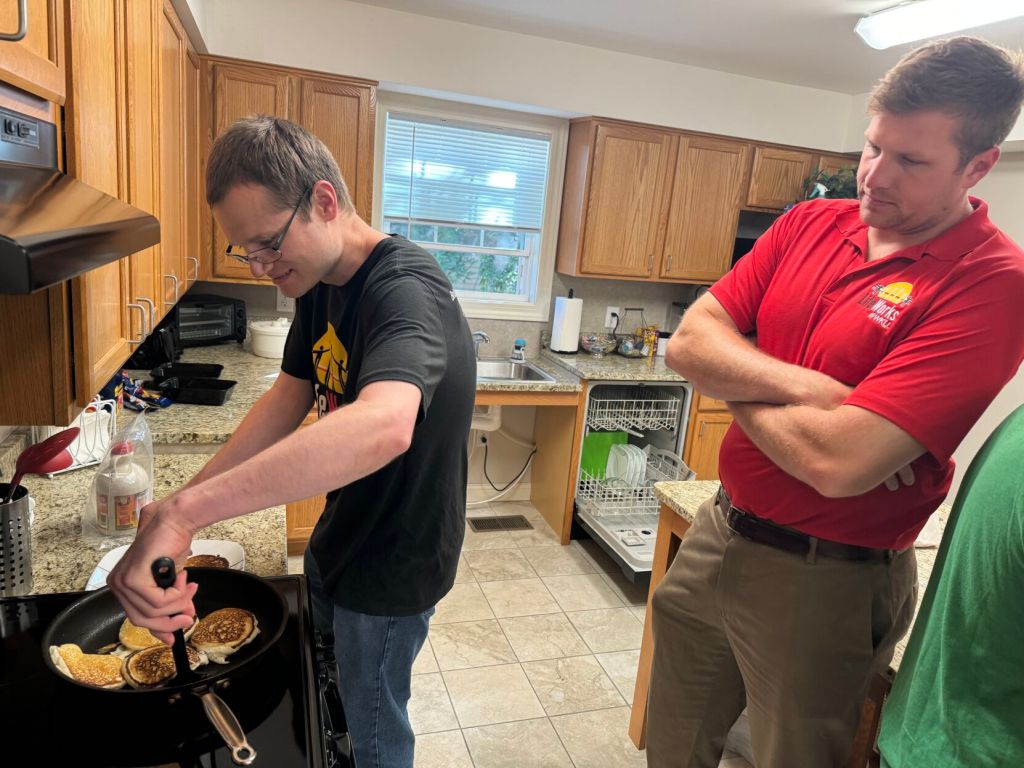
(279, 704)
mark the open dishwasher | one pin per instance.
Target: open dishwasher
(615, 502)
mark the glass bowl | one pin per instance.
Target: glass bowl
(598, 344)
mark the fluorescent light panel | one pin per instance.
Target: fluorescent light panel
(930, 18)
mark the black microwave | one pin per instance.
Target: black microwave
(205, 319)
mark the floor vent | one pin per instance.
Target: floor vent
(500, 523)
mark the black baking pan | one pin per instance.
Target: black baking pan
(197, 391)
(186, 371)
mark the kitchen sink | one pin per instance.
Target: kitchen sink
(503, 369)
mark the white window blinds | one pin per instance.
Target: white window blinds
(437, 170)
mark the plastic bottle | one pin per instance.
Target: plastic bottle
(123, 488)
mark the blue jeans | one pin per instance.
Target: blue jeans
(375, 656)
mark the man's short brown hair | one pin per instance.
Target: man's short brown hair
(276, 154)
(980, 83)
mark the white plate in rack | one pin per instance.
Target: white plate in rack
(233, 552)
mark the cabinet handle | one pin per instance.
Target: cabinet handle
(668, 268)
(22, 24)
(177, 285)
(142, 333)
(650, 262)
(195, 261)
(701, 433)
(152, 312)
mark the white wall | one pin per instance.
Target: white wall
(434, 54)
(1002, 190)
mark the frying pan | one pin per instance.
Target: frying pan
(94, 621)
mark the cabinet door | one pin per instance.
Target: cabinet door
(193, 171)
(142, 158)
(239, 92)
(627, 200)
(777, 177)
(707, 193)
(342, 116)
(172, 46)
(832, 163)
(95, 108)
(36, 62)
(707, 432)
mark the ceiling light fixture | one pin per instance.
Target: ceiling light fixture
(919, 19)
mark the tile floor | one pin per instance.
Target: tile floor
(531, 658)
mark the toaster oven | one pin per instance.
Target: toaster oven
(205, 319)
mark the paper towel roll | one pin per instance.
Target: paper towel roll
(565, 330)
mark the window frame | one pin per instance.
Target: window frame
(557, 129)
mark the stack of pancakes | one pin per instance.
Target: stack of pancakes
(142, 661)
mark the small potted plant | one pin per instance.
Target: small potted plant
(842, 183)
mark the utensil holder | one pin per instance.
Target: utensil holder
(15, 544)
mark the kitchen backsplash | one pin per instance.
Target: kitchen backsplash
(655, 298)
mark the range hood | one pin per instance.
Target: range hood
(54, 227)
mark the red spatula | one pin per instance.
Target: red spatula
(35, 459)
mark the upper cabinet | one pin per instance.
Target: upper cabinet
(644, 203)
(36, 62)
(128, 119)
(710, 176)
(832, 163)
(338, 110)
(777, 177)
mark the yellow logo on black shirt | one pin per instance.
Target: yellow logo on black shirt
(330, 361)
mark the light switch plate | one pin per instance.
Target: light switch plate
(284, 304)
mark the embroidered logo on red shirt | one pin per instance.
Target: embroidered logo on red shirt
(884, 302)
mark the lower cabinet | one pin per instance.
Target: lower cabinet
(301, 516)
(709, 421)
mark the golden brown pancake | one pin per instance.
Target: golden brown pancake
(221, 633)
(207, 561)
(135, 638)
(154, 666)
(97, 670)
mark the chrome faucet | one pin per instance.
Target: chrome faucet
(478, 338)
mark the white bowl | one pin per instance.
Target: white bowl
(233, 552)
(268, 337)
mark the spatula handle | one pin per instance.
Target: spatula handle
(164, 574)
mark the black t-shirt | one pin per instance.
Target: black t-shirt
(388, 544)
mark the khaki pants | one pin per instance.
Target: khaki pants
(795, 640)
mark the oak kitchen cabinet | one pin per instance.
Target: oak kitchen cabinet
(36, 62)
(123, 86)
(642, 202)
(709, 421)
(647, 203)
(339, 110)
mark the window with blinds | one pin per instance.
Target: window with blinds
(475, 195)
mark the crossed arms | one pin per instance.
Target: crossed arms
(794, 415)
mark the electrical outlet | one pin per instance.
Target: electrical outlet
(609, 321)
(481, 438)
(284, 304)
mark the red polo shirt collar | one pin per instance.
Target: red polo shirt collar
(954, 243)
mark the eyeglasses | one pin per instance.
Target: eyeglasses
(269, 253)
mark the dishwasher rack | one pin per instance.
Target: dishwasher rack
(634, 410)
(604, 497)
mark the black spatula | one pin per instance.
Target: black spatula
(164, 574)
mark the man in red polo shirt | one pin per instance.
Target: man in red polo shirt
(856, 345)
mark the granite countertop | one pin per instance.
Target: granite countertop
(62, 560)
(613, 367)
(685, 498)
(212, 424)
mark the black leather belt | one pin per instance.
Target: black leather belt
(765, 532)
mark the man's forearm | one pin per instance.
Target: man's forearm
(844, 451)
(346, 445)
(721, 363)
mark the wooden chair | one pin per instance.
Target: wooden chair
(865, 747)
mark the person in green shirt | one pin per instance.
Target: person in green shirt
(958, 699)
